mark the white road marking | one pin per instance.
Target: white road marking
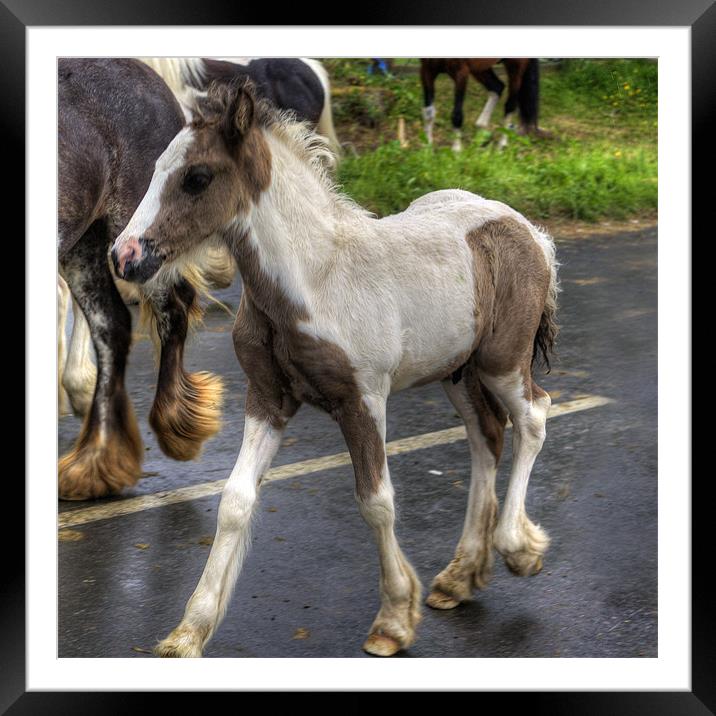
(131, 505)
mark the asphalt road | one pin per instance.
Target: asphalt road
(309, 587)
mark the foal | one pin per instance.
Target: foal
(338, 310)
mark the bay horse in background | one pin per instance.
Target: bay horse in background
(115, 118)
(522, 94)
(341, 308)
(300, 85)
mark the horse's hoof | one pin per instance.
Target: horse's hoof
(524, 564)
(381, 645)
(182, 643)
(439, 600)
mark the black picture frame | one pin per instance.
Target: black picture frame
(699, 15)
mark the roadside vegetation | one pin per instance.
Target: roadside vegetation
(601, 161)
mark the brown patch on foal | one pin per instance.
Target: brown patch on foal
(287, 366)
(491, 415)
(103, 465)
(511, 285)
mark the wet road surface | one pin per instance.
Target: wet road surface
(309, 587)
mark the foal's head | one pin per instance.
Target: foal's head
(210, 174)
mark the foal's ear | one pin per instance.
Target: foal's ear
(239, 115)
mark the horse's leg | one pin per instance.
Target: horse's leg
(187, 406)
(485, 423)
(363, 426)
(460, 78)
(80, 375)
(521, 543)
(427, 78)
(515, 71)
(107, 455)
(268, 409)
(63, 296)
(495, 87)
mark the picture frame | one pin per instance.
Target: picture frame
(16, 16)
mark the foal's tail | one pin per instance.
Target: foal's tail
(546, 335)
(528, 96)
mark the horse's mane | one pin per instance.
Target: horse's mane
(300, 137)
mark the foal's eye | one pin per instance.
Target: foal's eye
(197, 179)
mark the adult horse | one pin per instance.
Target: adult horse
(339, 309)
(299, 84)
(523, 92)
(116, 117)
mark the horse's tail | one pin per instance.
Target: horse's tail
(183, 75)
(546, 335)
(325, 121)
(528, 96)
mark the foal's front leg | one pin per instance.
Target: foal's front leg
(363, 426)
(207, 605)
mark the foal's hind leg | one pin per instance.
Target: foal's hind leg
(521, 543)
(472, 565)
(107, 455)
(187, 406)
(363, 426)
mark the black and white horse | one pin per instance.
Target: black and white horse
(115, 118)
(300, 85)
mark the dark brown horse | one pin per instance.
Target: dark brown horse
(115, 119)
(523, 91)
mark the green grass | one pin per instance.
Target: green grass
(600, 163)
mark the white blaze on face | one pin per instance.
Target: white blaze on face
(171, 161)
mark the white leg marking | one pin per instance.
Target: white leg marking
(429, 119)
(509, 124)
(63, 295)
(483, 120)
(80, 375)
(207, 605)
(516, 538)
(457, 140)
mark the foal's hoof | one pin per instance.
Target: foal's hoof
(524, 564)
(381, 645)
(439, 600)
(182, 643)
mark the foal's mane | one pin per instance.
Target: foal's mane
(211, 110)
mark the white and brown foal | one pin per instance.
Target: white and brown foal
(339, 309)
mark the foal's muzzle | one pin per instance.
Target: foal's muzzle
(135, 259)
